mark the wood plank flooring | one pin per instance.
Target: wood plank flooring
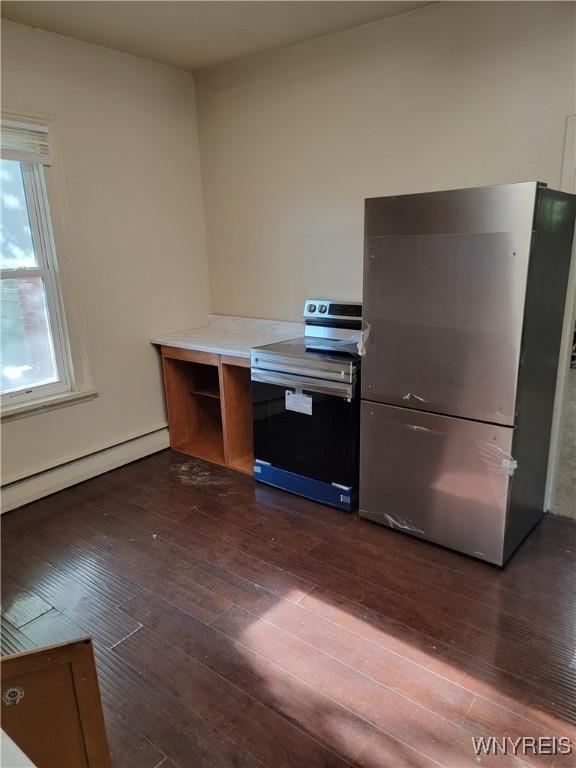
(238, 626)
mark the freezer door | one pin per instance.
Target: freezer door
(443, 479)
(443, 314)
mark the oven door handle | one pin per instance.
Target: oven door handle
(323, 387)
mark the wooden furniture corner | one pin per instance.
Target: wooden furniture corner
(51, 706)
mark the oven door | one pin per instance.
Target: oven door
(306, 426)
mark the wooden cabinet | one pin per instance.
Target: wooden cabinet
(209, 405)
(51, 706)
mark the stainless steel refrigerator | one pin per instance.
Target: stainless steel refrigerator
(464, 295)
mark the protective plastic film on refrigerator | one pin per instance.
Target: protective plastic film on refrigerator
(464, 295)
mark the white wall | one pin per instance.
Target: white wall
(292, 141)
(132, 245)
(447, 96)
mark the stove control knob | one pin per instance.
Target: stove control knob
(323, 309)
(311, 308)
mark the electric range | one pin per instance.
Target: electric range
(306, 402)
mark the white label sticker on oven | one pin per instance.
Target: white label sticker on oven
(297, 401)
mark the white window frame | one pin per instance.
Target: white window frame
(46, 269)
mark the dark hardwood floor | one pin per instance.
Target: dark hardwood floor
(236, 625)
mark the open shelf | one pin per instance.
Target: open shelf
(237, 411)
(208, 451)
(194, 413)
(243, 463)
(209, 404)
(202, 436)
(205, 393)
(204, 379)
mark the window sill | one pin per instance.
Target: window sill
(19, 410)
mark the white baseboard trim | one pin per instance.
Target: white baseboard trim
(52, 480)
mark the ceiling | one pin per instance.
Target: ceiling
(195, 35)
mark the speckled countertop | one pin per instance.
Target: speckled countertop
(226, 335)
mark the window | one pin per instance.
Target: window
(35, 360)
